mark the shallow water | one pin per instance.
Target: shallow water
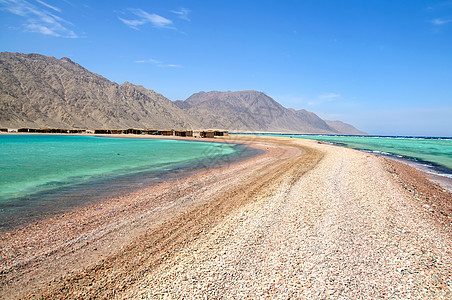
(433, 152)
(437, 151)
(42, 174)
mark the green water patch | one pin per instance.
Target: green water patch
(429, 150)
(47, 170)
(434, 150)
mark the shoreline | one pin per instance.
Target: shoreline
(143, 243)
(443, 178)
(423, 165)
(428, 168)
(111, 188)
(91, 233)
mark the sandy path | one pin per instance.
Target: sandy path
(306, 220)
(343, 230)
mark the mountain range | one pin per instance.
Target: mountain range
(39, 91)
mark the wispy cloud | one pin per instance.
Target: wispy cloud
(142, 17)
(440, 6)
(182, 13)
(157, 63)
(38, 18)
(174, 66)
(49, 6)
(440, 22)
(329, 96)
(324, 98)
(148, 61)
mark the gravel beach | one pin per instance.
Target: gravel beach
(305, 220)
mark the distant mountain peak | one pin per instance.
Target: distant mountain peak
(344, 128)
(43, 91)
(67, 59)
(250, 111)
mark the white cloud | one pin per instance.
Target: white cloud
(39, 19)
(132, 23)
(174, 66)
(142, 17)
(150, 60)
(329, 96)
(49, 6)
(157, 63)
(41, 29)
(182, 13)
(323, 99)
(440, 22)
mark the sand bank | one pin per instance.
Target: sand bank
(305, 219)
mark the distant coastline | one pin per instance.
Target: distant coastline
(206, 133)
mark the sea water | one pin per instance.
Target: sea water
(43, 173)
(432, 152)
(435, 151)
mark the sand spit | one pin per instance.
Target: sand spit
(305, 220)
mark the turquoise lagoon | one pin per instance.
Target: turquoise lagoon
(40, 173)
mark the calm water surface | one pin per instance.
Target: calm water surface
(44, 173)
(433, 152)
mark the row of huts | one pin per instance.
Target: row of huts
(172, 132)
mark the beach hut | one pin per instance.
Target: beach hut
(76, 131)
(183, 133)
(208, 134)
(221, 133)
(116, 131)
(3, 129)
(167, 132)
(102, 131)
(152, 132)
(133, 131)
(54, 130)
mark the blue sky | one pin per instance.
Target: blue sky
(383, 66)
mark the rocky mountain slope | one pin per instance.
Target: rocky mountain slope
(38, 91)
(245, 110)
(344, 128)
(41, 91)
(251, 111)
